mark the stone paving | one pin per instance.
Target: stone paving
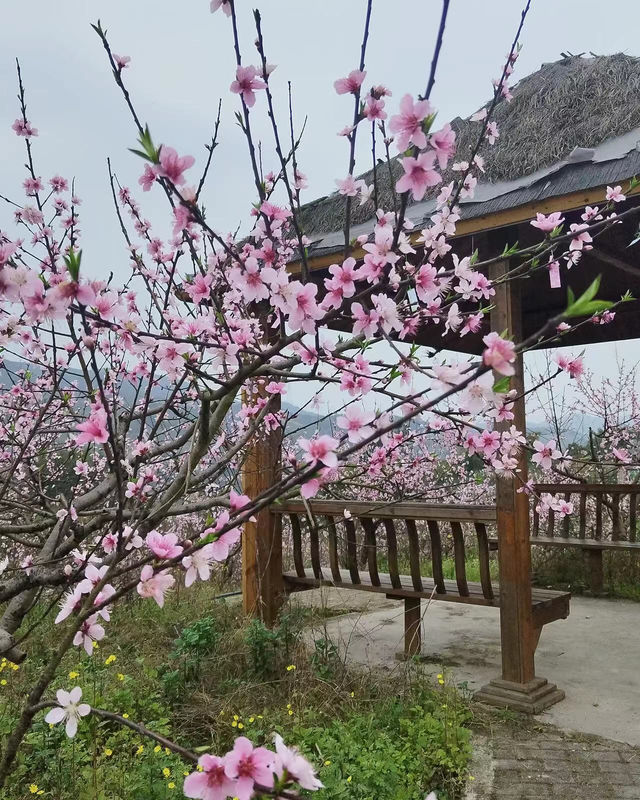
(524, 761)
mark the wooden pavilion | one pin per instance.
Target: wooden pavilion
(572, 129)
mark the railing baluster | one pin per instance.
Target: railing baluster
(392, 552)
(458, 553)
(551, 522)
(352, 551)
(297, 545)
(334, 561)
(414, 554)
(566, 522)
(615, 517)
(633, 511)
(436, 556)
(483, 559)
(370, 544)
(583, 515)
(598, 531)
(315, 549)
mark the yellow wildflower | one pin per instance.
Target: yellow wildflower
(108, 751)
(109, 659)
(291, 667)
(125, 716)
(171, 785)
(166, 772)
(326, 763)
(120, 676)
(240, 726)
(73, 674)
(3, 682)
(157, 749)
(33, 788)
(140, 750)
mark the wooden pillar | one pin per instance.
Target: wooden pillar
(596, 572)
(412, 622)
(262, 585)
(518, 687)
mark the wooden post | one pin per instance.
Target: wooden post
(518, 688)
(596, 572)
(412, 632)
(262, 584)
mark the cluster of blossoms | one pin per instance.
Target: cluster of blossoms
(247, 769)
(134, 407)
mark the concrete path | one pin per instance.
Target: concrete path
(594, 655)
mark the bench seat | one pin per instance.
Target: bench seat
(547, 605)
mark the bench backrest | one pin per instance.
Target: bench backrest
(372, 533)
(601, 511)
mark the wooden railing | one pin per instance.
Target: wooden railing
(602, 511)
(353, 546)
(343, 543)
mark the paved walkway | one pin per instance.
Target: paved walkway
(519, 763)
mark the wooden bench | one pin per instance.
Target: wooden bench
(326, 548)
(607, 520)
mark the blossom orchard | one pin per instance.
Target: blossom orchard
(132, 407)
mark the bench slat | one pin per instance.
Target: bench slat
(543, 600)
(352, 551)
(458, 556)
(297, 545)
(370, 544)
(414, 554)
(392, 553)
(483, 558)
(315, 547)
(334, 560)
(436, 555)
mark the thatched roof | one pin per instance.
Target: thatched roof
(572, 103)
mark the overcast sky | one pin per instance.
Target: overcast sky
(182, 62)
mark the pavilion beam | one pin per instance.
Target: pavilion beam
(262, 581)
(518, 688)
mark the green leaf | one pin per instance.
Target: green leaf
(510, 250)
(149, 151)
(72, 261)
(585, 305)
(502, 385)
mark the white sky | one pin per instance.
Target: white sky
(182, 62)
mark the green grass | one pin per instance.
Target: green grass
(201, 674)
(472, 567)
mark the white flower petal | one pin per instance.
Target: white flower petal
(55, 715)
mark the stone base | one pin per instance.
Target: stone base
(529, 698)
